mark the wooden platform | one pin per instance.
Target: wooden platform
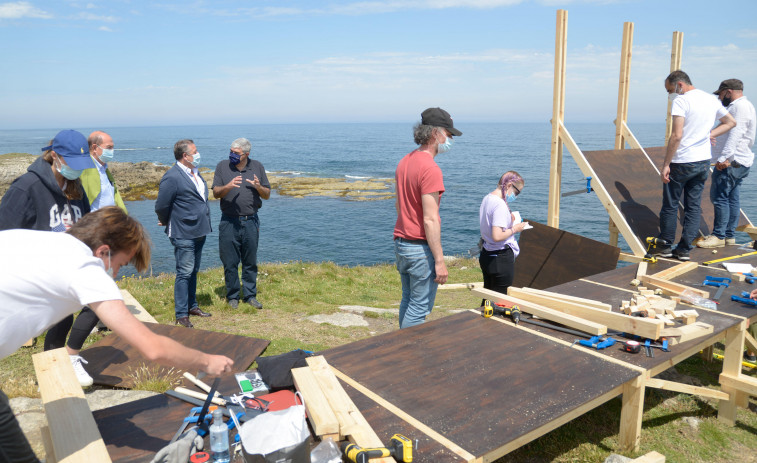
(113, 362)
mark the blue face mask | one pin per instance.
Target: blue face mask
(107, 155)
(510, 197)
(196, 159)
(444, 147)
(234, 158)
(67, 172)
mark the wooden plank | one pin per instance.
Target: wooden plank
(740, 382)
(651, 457)
(623, 84)
(676, 270)
(630, 138)
(631, 414)
(671, 288)
(688, 332)
(47, 442)
(351, 421)
(558, 112)
(73, 431)
(641, 269)
(564, 297)
(732, 354)
(478, 284)
(645, 327)
(686, 389)
(321, 417)
(400, 413)
(544, 312)
(675, 64)
(136, 308)
(750, 341)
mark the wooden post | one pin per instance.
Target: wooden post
(734, 349)
(623, 85)
(631, 414)
(675, 64)
(558, 112)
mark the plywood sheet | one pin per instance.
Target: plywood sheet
(113, 362)
(550, 256)
(464, 374)
(635, 187)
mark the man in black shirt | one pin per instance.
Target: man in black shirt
(241, 184)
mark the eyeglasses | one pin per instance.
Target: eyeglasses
(517, 190)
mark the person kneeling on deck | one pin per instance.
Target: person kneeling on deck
(47, 276)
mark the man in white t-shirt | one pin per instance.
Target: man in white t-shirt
(47, 276)
(687, 160)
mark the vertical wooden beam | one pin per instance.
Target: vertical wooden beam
(558, 112)
(734, 349)
(623, 85)
(631, 414)
(675, 64)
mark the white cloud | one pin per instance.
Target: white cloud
(18, 10)
(105, 29)
(96, 17)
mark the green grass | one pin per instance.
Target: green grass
(292, 291)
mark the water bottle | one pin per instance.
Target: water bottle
(219, 438)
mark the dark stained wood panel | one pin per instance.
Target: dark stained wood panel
(478, 382)
(550, 256)
(635, 187)
(113, 362)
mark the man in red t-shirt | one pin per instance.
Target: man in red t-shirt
(417, 232)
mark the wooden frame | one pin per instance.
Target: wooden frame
(558, 113)
(675, 64)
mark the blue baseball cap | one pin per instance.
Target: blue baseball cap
(72, 146)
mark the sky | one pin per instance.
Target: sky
(163, 62)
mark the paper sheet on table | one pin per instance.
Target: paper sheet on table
(734, 267)
(527, 226)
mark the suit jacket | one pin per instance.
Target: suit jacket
(180, 207)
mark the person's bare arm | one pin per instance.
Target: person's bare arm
(673, 143)
(727, 122)
(433, 227)
(154, 347)
(264, 192)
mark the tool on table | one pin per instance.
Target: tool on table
(652, 243)
(497, 309)
(203, 427)
(193, 417)
(744, 298)
(596, 342)
(199, 457)
(191, 399)
(648, 348)
(233, 409)
(750, 278)
(632, 347)
(729, 258)
(720, 282)
(588, 189)
(400, 448)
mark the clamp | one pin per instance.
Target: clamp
(596, 342)
(720, 282)
(750, 278)
(744, 299)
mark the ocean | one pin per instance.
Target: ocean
(360, 232)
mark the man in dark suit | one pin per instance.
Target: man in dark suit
(182, 206)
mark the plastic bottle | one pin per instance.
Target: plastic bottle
(697, 300)
(219, 438)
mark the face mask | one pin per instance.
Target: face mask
(67, 172)
(107, 155)
(109, 268)
(510, 197)
(726, 101)
(196, 159)
(444, 147)
(234, 158)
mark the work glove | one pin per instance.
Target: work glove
(179, 451)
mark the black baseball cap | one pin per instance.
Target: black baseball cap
(437, 117)
(729, 84)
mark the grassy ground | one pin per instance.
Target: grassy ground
(290, 292)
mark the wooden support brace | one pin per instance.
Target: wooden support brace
(571, 321)
(675, 270)
(686, 389)
(687, 332)
(641, 270)
(670, 288)
(564, 297)
(73, 431)
(321, 417)
(750, 341)
(47, 442)
(651, 457)
(136, 308)
(631, 414)
(740, 382)
(734, 349)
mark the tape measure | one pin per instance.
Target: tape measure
(632, 346)
(200, 457)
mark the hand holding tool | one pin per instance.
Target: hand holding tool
(400, 448)
(193, 417)
(744, 299)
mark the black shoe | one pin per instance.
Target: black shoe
(184, 321)
(680, 254)
(254, 302)
(750, 358)
(233, 303)
(662, 251)
(197, 312)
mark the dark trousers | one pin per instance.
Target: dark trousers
(188, 254)
(687, 181)
(238, 242)
(13, 444)
(84, 324)
(56, 336)
(498, 268)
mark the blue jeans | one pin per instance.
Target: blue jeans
(238, 242)
(687, 180)
(188, 254)
(416, 266)
(724, 194)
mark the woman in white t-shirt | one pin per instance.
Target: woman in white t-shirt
(498, 229)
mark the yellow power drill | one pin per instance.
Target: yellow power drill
(493, 309)
(652, 243)
(400, 448)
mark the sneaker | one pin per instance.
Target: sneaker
(254, 302)
(234, 303)
(84, 379)
(750, 358)
(711, 241)
(662, 251)
(730, 241)
(680, 254)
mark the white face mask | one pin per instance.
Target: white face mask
(444, 147)
(195, 159)
(109, 268)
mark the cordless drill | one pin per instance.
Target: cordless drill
(400, 448)
(652, 243)
(495, 309)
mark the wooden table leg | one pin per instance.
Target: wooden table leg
(631, 414)
(734, 349)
